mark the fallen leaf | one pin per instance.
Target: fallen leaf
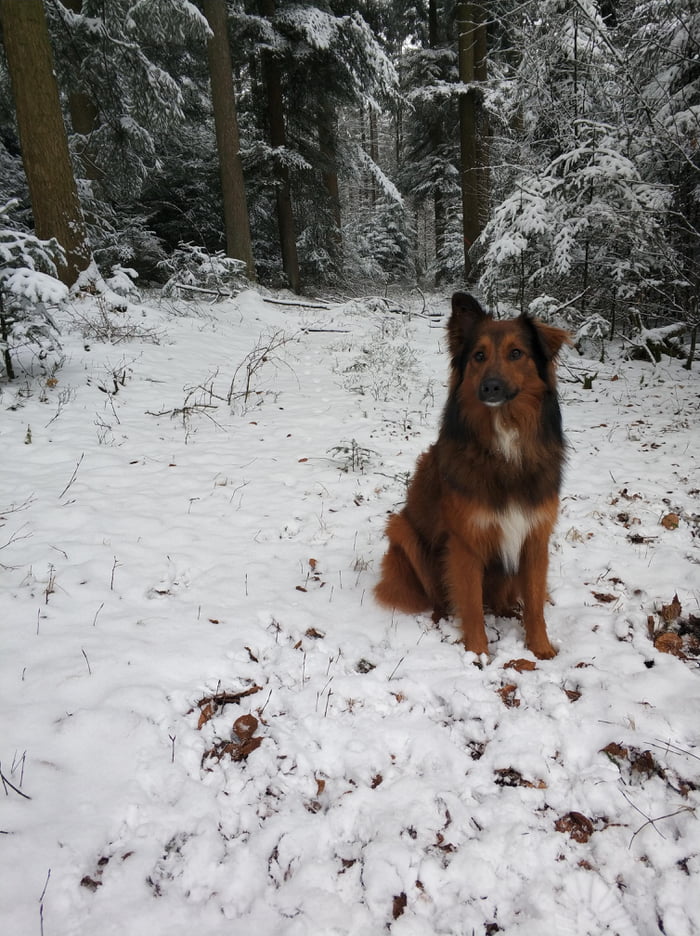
(245, 726)
(579, 827)
(615, 751)
(507, 694)
(671, 521)
(399, 905)
(521, 666)
(605, 597)
(508, 777)
(671, 612)
(670, 643)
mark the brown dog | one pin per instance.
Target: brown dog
(484, 498)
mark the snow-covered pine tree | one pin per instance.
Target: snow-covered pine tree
(330, 65)
(134, 73)
(581, 223)
(430, 174)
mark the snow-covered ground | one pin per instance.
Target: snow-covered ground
(171, 563)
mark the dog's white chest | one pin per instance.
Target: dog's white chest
(515, 526)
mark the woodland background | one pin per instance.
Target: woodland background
(545, 152)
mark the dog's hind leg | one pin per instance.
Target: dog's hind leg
(409, 580)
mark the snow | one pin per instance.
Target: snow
(161, 548)
(35, 286)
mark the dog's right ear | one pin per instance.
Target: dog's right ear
(466, 314)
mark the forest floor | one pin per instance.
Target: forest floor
(209, 726)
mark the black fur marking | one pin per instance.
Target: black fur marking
(539, 354)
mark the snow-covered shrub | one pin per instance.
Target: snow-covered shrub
(377, 244)
(586, 230)
(191, 269)
(28, 287)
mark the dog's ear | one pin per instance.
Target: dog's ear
(466, 314)
(551, 339)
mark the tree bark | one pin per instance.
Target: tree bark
(436, 137)
(278, 139)
(327, 131)
(471, 34)
(236, 219)
(42, 134)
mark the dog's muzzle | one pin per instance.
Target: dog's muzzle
(493, 391)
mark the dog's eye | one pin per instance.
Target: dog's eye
(479, 356)
(515, 354)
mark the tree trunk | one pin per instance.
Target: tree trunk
(236, 221)
(42, 134)
(472, 53)
(327, 147)
(278, 138)
(436, 136)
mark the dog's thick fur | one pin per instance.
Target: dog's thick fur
(484, 498)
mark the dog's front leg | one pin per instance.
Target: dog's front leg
(465, 582)
(534, 561)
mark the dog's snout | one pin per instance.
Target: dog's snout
(493, 391)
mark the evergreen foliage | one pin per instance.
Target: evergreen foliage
(592, 116)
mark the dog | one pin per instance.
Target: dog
(483, 500)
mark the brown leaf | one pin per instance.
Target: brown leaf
(508, 777)
(312, 564)
(236, 750)
(615, 751)
(671, 612)
(206, 713)
(579, 827)
(245, 726)
(670, 643)
(210, 705)
(573, 694)
(314, 634)
(90, 883)
(643, 763)
(399, 905)
(521, 666)
(507, 693)
(670, 521)
(606, 598)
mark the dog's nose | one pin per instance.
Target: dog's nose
(492, 391)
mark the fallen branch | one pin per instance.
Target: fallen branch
(298, 304)
(201, 289)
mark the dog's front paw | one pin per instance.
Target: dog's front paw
(543, 650)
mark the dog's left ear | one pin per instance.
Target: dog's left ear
(466, 314)
(551, 339)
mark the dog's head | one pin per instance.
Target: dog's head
(498, 359)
